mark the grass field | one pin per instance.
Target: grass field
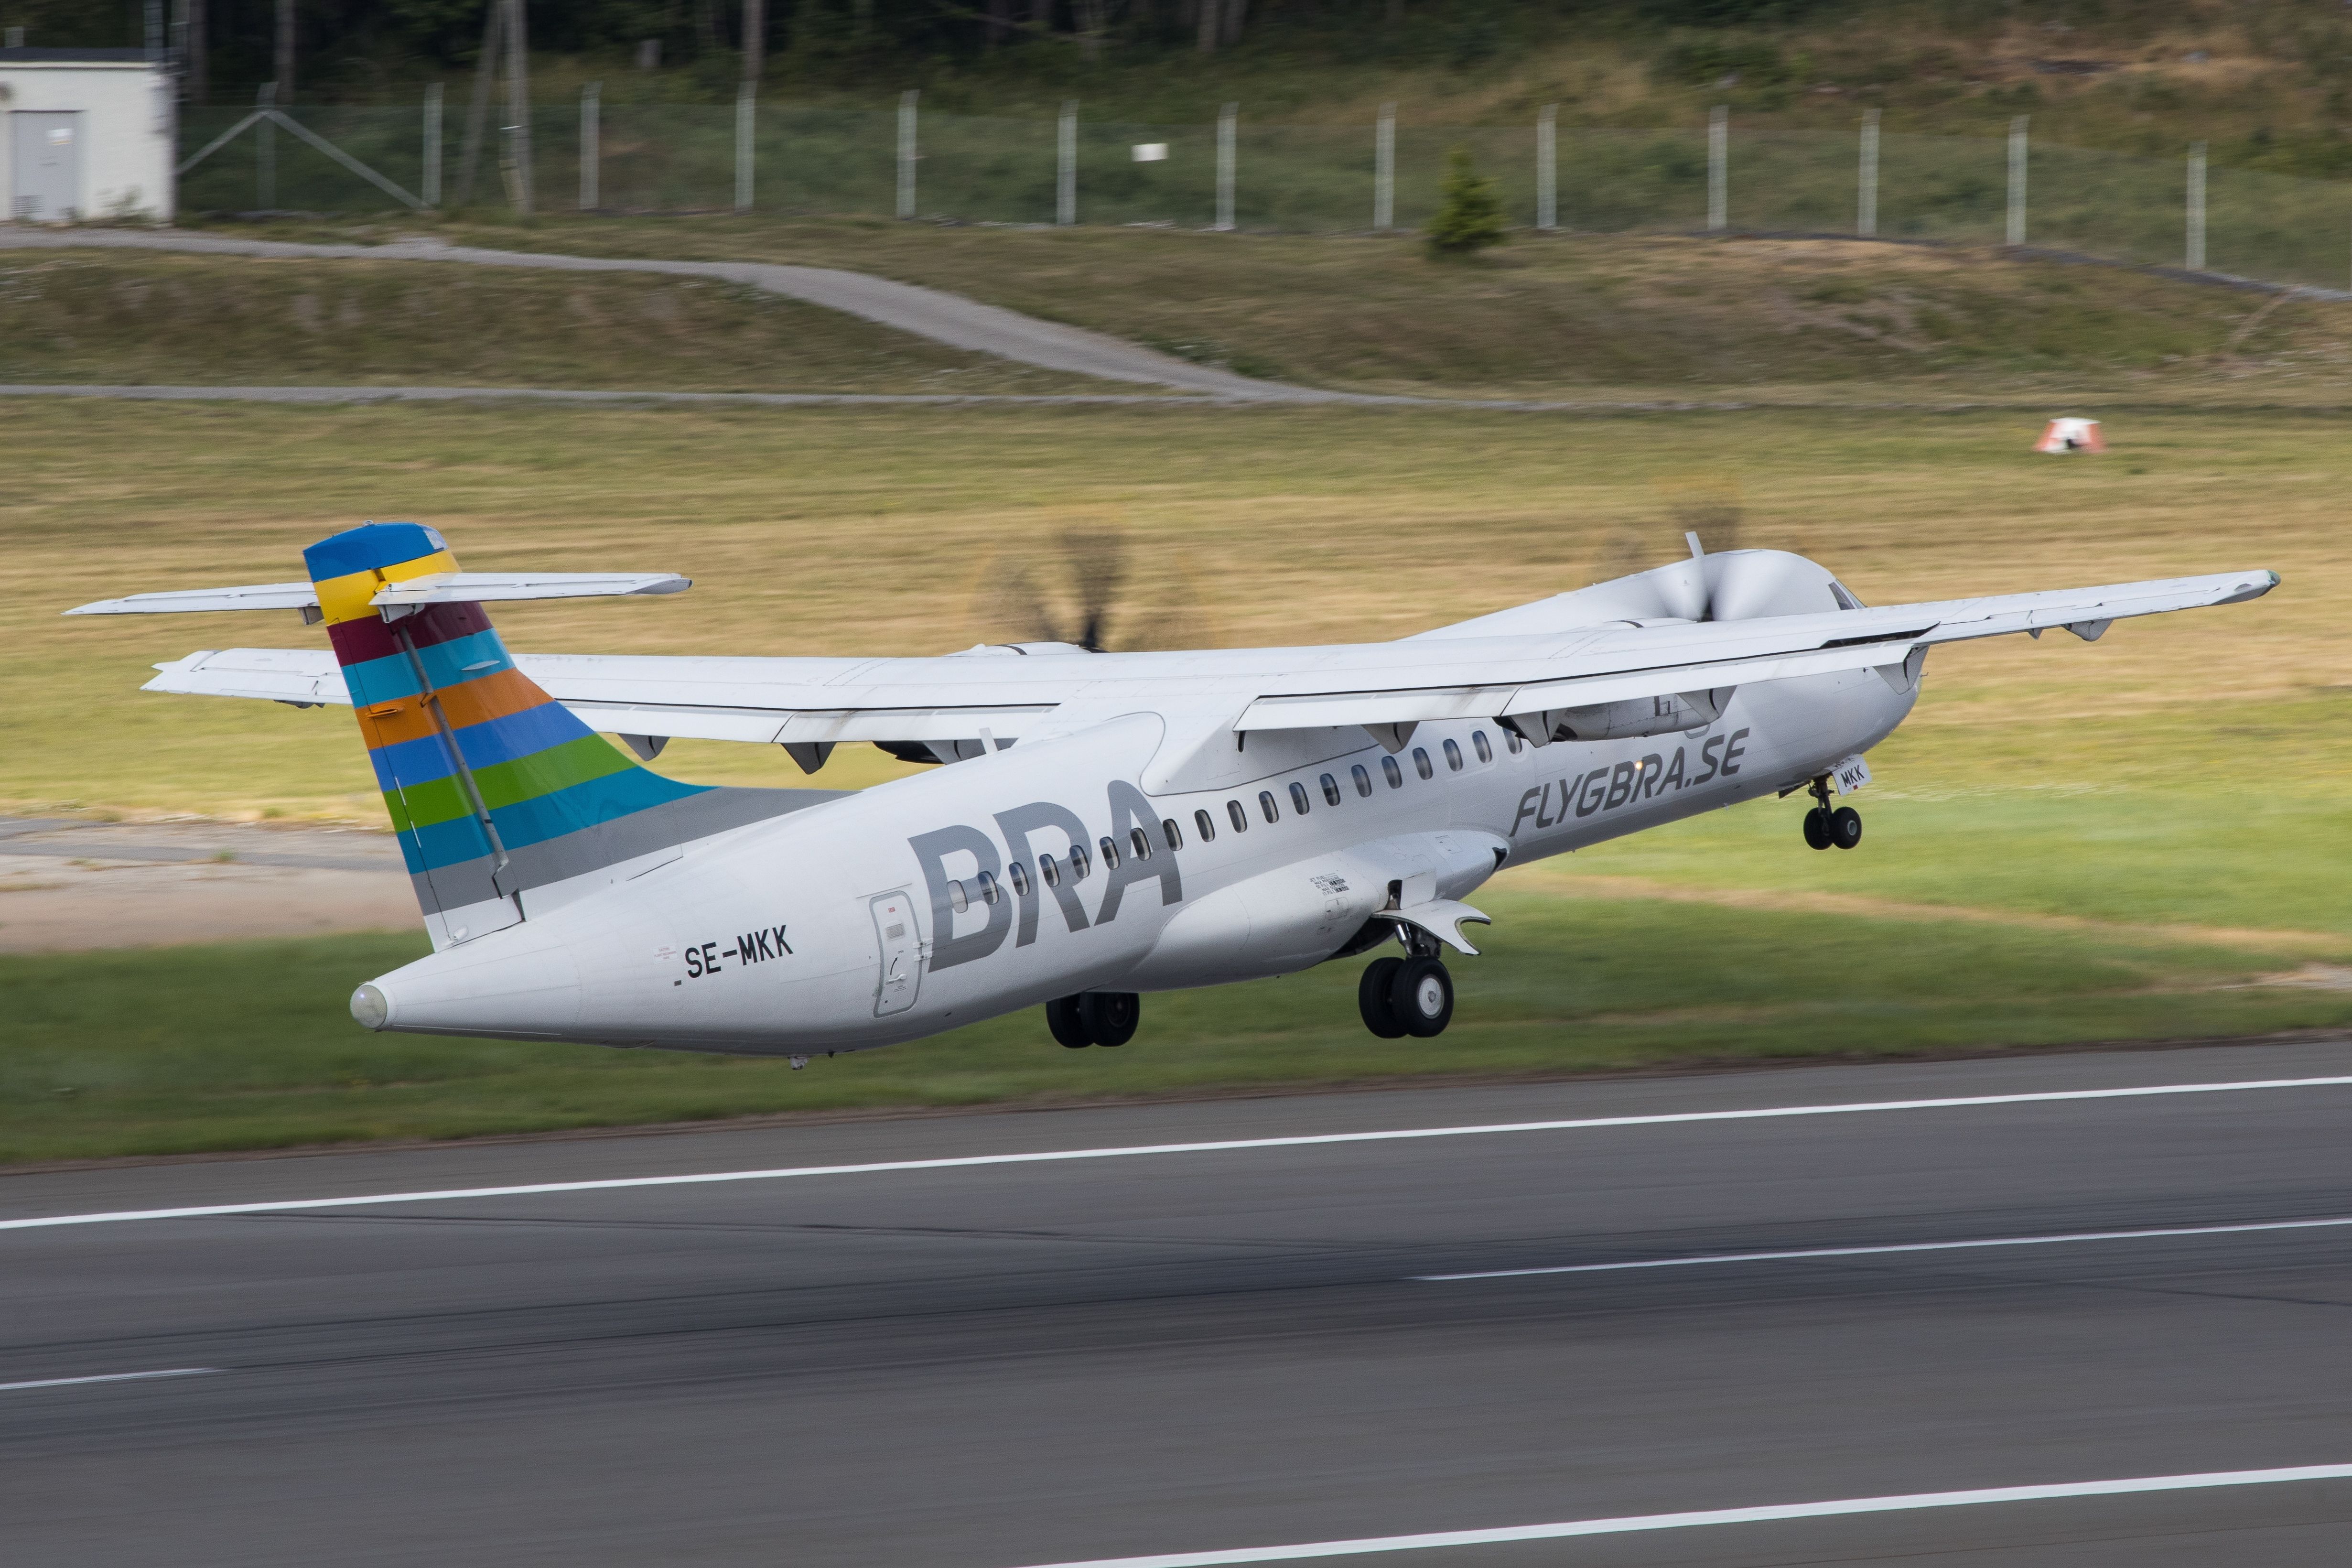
(2067, 842)
(249, 1047)
(115, 317)
(1581, 315)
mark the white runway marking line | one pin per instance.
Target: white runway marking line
(1227, 1146)
(1801, 1252)
(1634, 1524)
(108, 1377)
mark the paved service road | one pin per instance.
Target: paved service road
(1039, 1361)
(932, 313)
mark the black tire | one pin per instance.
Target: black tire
(1817, 830)
(1375, 999)
(1846, 827)
(1422, 996)
(1062, 1017)
(1109, 1016)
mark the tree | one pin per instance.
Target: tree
(1470, 216)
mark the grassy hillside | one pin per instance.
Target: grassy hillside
(1577, 315)
(114, 316)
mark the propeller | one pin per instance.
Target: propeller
(1078, 599)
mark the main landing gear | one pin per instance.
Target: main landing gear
(1825, 827)
(1094, 1019)
(1411, 995)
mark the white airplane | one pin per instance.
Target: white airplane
(1166, 820)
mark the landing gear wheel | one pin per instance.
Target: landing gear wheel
(1817, 830)
(1423, 994)
(1846, 827)
(1109, 1016)
(1375, 998)
(1062, 1018)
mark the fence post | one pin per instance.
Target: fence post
(2196, 257)
(591, 145)
(906, 101)
(1866, 201)
(743, 103)
(1547, 169)
(519, 109)
(1066, 165)
(1384, 171)
(265, 152)
(1226, 119)
(1719, 175)
(2017, 181)
(432, 180)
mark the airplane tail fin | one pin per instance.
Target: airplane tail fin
(505, 803)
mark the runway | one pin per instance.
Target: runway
(1484, 1326)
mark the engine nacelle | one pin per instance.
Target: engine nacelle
(1664, 715)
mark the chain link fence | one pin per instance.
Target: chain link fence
(1304, 179)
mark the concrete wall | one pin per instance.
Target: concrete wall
(128, 132)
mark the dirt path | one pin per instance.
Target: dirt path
(931, 313)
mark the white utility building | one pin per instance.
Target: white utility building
(92, 134)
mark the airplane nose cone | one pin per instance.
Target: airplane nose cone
(372, 1007)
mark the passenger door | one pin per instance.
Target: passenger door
(902, 968)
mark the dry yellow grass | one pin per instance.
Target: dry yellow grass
(874, 531)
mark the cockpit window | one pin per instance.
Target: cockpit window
(1846, 601)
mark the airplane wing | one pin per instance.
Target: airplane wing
(995, 691)
(1661, 661)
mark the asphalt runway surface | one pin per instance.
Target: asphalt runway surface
(948, 1357)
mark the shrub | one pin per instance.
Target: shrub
(1470, 216)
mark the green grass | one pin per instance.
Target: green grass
(249, 1045)
(115, 317)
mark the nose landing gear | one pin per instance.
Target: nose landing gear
(1827, 827)
(1412, 995)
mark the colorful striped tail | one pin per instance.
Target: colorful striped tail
(505, 803)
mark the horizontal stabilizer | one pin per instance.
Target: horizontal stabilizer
(181, 601)
(482, 588)
(440, 588)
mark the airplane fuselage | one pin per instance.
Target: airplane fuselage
(1094, 861)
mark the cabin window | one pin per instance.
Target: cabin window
(1420, 763)
(1019, 877)
(1452, 757)
(1081, 863)
(1174, 835)
(1478, 744)
(989, 892)
(1363, 779)
(1298, 799)
(1237, 817)
(1141, 842)
(1109, 854)
(1390, 772)
(1048, 872)
(1266, 803)
(958, 899)
(1206, 825)
(1511, 738)
(1330, 790)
